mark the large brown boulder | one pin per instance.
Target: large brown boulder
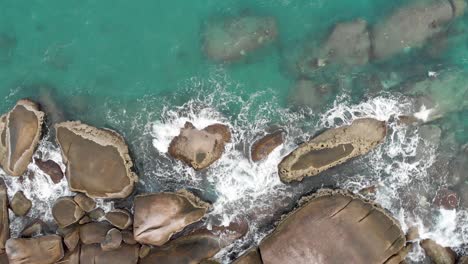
(158, 216)
(200, 148)
(265, 145)
(93, 254)
(94, 232)
(412, 25)
(334, 227)
(98, 162)
(20, 131)
(331, 148)
(194, 248)
(349, 43)
(437, 253)
(66, 212)
(233, 38)
(4, 220)
(38, 250)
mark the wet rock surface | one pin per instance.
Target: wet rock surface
(39, 250)
(20, 204)
(20, 131)
(98, 162)
(310, 94)
(331, 148)
(51, 168)
(265, 145)
(365, 233)
(437, 253)
(232, 39)
(200, 148)
(158, 216)
(66, 212)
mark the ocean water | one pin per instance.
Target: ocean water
(140, 68)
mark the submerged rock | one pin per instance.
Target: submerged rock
(332, 148)
(66, 212)
(233, 38)
(38, 250)
(93, 254)
(361, 231)
(98, 162)
(310, 94)
(20, 131)
(4, 220)
(20, 205)
(264, 146)
(411, 26)
(195, 247)
(437, 253)
(200, 148)
(349, 44)
(158, 216)
(446, 199)
(51, 168)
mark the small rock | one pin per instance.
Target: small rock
(97, 214)
(127, 237)
(264, 146)
(72, 238)
(412, 234)
(199, 148)
(446, 199)
(94, 233)
(86, 203)
(33, 229)
(50, 168)
(437, 253)
(371, 190)
(66, 212)
(144, 251)
(119, 218)
(20, 205)
(84, 220)
(112, 241)
(38, 250)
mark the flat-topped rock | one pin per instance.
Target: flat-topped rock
(334, 227)
(331, 148)
(200, 148)
(98, 162)
(20, 131)
(158, 216)
(4, 220)
(265, 145)
(233, 38)
(38, 250)
(66, 212)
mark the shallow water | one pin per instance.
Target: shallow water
(140, 69)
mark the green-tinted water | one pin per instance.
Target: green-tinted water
(125, 65)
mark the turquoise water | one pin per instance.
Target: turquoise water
(131, 66)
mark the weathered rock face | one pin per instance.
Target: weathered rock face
(98, 162)
(158, 216)
(20, 131)
(93, 254)
(233, 38)
(50, 168)
(119, 218)
(348, 44)
(20, 205)
(437, 253)
(331, 220)
(38, 250)
(94, 233)
(411, 26)
(200, 148)
(332, 148)
(66, 212)
(4, 220)
(264, 146)
(251, 257)
(196, 247)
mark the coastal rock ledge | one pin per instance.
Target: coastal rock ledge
(331, 148)
(20, 131)
(98, 161)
